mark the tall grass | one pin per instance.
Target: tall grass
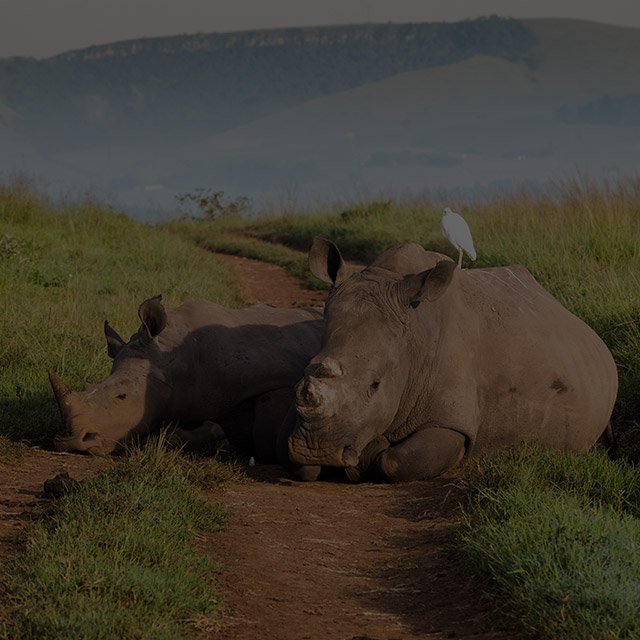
(62, 274)
(116, 558)
(557, 536)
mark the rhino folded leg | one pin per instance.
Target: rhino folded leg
(425, 454)
(208, 436)
(367, 471)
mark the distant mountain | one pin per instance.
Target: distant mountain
(185, 87)
(326, 111)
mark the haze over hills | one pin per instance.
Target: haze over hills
(327, 112)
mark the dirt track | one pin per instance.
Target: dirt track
(340, 561)
(308, 561)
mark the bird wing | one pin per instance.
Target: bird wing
(460, 235)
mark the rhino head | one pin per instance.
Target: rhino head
(129, 402)
(356, 388)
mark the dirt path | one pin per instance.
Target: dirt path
(266, 283)
(340, 561)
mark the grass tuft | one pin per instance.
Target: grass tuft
(557, 535)
(117, 557)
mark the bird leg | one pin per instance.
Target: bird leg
(460, 259)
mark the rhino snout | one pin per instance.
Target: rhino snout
(311, 392)
(87, 441)
(314, 398)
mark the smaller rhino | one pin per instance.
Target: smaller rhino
(229, 372)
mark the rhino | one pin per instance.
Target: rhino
(426, 366)
(229, 373)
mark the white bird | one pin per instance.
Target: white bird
(456, 230)
(252, 461)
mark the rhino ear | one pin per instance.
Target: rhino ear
(153, 315)
(428, 285)
(114, 341)
(326, 263)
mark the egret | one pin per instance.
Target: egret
(456, 230)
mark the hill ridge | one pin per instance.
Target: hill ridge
(279, 36)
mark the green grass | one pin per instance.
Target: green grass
(557, 536)
(62, 274)
(116, 558)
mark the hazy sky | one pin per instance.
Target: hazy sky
(46, 27)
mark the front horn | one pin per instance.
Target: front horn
(62, 393)
(60, 389)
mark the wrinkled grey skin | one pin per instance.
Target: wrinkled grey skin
(231, 371)
(418, 372)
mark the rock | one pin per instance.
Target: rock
(61, 484)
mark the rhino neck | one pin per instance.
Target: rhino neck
(439, 357)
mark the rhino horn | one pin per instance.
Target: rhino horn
(60, 389)
(313, 398)
(63, 395)
(329, 368)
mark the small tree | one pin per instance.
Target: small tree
(208, 204)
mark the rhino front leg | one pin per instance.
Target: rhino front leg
(206, 437)
(425, 454)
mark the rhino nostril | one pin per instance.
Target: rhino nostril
(89, 436)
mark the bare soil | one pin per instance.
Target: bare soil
(262, 282)
(340, 561)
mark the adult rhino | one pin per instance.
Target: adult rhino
(194, 364)
(418, 372)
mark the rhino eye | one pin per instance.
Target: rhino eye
(121, 396)
(375, 384)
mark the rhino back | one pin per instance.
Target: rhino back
(228, 355)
